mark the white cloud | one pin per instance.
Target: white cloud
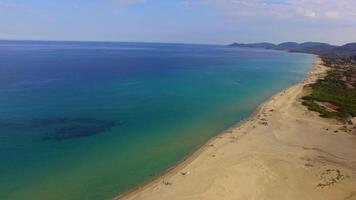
(316, 9)
(283, 20)
(333, 14)
(305, 12)
(310, 13)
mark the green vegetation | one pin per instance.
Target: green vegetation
(335, 95)
(323, 113)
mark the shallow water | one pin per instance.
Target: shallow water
(83, 120)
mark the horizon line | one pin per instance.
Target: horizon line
(156, 42)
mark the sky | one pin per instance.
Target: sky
(180, 21)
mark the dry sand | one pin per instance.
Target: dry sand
(283, 152)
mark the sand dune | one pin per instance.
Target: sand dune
(283, 152)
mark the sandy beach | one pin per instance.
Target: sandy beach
(283, 151)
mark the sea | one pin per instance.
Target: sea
(91, 120)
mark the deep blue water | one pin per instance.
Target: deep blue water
(89, 120)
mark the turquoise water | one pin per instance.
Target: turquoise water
(82, 120)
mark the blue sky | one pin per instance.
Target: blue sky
(183, 21)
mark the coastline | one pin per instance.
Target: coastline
(210, 167)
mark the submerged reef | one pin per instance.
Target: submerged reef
(63, 127)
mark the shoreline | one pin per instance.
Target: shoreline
(166, 180)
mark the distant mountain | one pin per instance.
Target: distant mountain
(315, 48)
(315, 45)
(262, 45)
(348, 47)
(318, 48)
(287, 45)
(306, 46)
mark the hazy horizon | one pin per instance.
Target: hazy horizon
(153, 42)
(180, 21)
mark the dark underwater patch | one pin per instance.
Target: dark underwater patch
(75, 131)
(64, 127)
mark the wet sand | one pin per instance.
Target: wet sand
(283, 151)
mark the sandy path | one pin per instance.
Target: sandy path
(282, 152)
